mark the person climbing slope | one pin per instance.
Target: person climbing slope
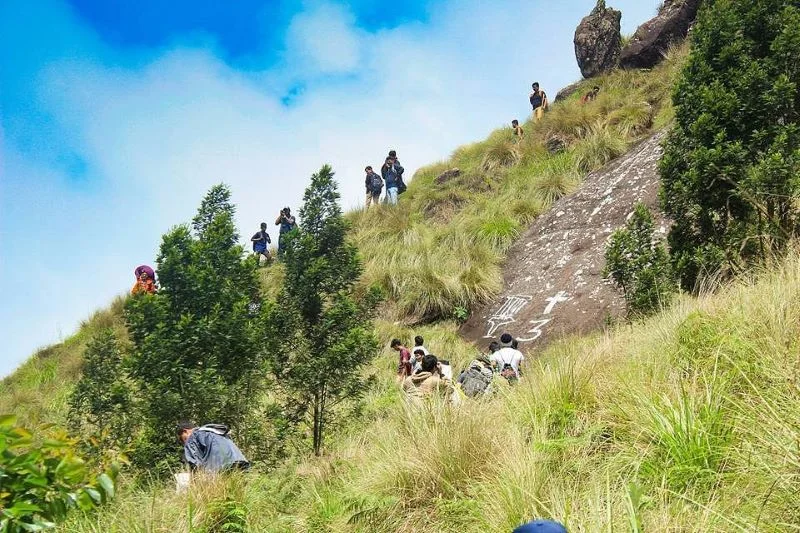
(260, 241)
(404, 367)
(518, 131)
(538, 100)
(508, 360)
(428, 382)
(145, 280)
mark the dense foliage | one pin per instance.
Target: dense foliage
(639, 265)
(41, 480)
(731, 164)
(319, 334)
(101, 406)
(195, 353)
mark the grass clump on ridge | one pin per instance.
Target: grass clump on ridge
(442, 246)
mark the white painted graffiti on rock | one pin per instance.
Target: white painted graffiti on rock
(506, 314)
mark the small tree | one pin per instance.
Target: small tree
(319, 335)
(101, 407)
(195, 354)
(639, 265)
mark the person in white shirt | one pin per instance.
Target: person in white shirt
(507, 360)
(416, 362)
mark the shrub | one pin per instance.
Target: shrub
(730, 163)
(41, 480)
(638, 265)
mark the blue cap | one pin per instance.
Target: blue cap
(541, 526)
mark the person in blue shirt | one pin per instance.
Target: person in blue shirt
(287, 223)
(260, 241)
(209, 448)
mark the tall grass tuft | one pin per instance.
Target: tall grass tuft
(598, 147)
(559, 178)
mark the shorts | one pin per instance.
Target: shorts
(260, 248)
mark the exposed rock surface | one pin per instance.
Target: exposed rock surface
(448, 175)
(567, 91)
(553, 282)
(653, 38)
(556, 142)
(598, 41)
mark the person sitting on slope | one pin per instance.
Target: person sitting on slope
(428, 383)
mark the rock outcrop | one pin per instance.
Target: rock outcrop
(448, 175)
(553, 282)
(567, 91)
(653, 38)
(598, 41)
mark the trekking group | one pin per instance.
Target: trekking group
(391, 177)
(423, 375)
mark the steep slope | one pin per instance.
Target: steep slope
(685, 422)
(553, 284)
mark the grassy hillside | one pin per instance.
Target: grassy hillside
(437, 255)
(685, 422)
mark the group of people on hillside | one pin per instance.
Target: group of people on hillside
(423, 375)
(261, 240)
(540, 103)
(391, 177)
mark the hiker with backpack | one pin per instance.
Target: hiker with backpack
(508, 360)
(260, 242)
(401, 186)
(392, 174)
(287, 223)
(476, 380)
(374, 185)
(538, 100)
(209, 448)
(404, 368)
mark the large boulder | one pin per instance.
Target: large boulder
(653, 38)
(598, 41)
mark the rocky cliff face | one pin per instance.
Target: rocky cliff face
(553, 282)
(598, 41)
(653, 38)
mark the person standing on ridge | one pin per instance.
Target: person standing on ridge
(260, 241)
(374, 185)
(287, 223)
(538, 100)
(392, 175)
(518, 131)
(401, 184)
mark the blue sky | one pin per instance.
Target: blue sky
(116, 117)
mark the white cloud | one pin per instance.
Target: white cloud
(324, 40)
(159, 133)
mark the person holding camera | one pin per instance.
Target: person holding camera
(392, 174)
(287, 223)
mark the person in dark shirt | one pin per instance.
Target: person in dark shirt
(260, 241)
(538, 100)
(287, 223)
(374, 185)
(209, 448)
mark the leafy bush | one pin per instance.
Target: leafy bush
(639, 265)
(730, 165)
(41, 480)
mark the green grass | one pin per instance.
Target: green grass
(683, 422)
(442, 247)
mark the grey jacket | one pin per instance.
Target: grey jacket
(209, 448)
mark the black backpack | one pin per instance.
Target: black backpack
(401, 185)
(475, 382)
(376, 184)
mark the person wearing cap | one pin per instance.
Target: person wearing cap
(144, 281)
(538, 100)
(507, 360)
(541, 526)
